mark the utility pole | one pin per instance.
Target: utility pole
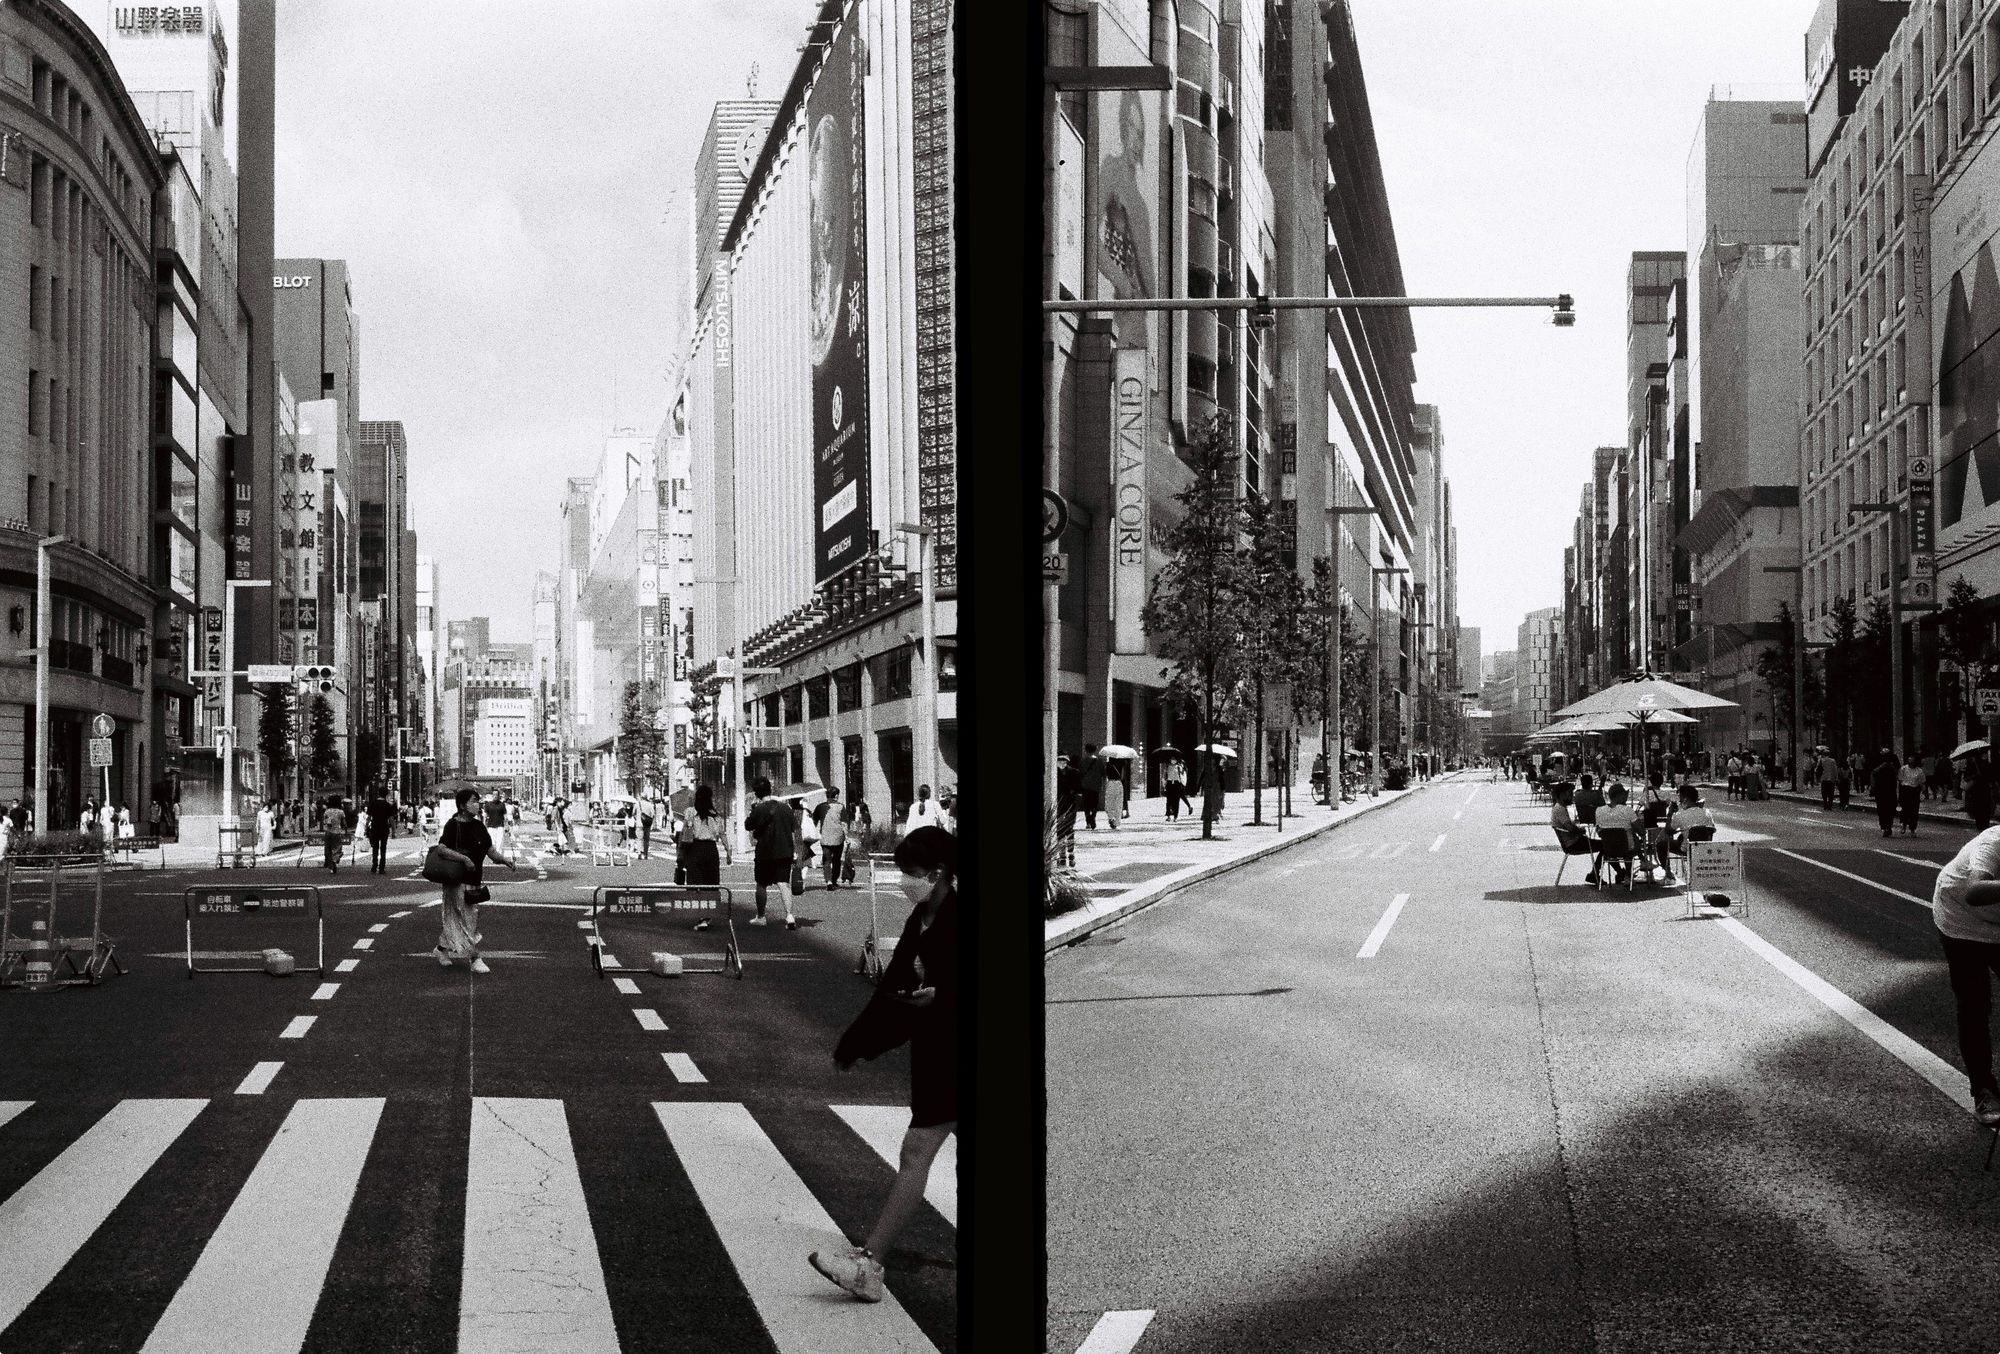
(1375, 695)
(1798, 574)
(1895, 515)
(43, 821)
(928, 718)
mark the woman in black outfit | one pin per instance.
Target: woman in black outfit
(458, 917)
(703, 833)
(916, 1001)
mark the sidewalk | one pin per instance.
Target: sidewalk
(1148, 859)
(1945, 812)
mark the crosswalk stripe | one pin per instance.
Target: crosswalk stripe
(365, 943)
(45, 1222)
(378, 928)
(247, 1293)
(10, 1108)
(683, 1068)
(531, 1279)
(882, 1128)
(259, 1079)
(769, 1221)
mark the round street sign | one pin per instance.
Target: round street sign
(102, 726)
(1055, 515)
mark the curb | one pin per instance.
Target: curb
(1089, 922)
(1857, 805)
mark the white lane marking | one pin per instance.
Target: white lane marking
(10, 1108)
(48, 1219)
(297, 1029)
(1438, 845)
(587, 923)
(1349, 851)
(626, 985)
(531, 1278)
(378, 928)
(1893, 1041)
(1859, 879)
(1912, 860)
(1474, 795)
(649, 1019)
(1116, 1332)
(1456, 816)
(325, 991)
(394, 915)
(259, 1079)
(347, 966)
(1388, 850)
(683, 1068)
(882, 1127)
(767, 1219)
(1844, 827)
(365, 943)
(1381, 931)
(246, 1293)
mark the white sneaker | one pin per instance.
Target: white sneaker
(854, 1270)
(757, 921)
(479, 966)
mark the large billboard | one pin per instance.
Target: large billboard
(837, 312)
(1844, 44)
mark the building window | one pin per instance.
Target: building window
(34, 403)
(894, 675)
(34, 298)
(794, 704)
(847, 688)
(818, 696)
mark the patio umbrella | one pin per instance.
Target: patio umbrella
(1117, 752)
(1645, 699)
(1967, 749)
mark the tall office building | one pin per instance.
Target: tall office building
(430, 650)
(384, 571)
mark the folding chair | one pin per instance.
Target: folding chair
(1576, 843)
(1614, 847)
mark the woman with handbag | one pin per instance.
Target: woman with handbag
(462, 850)
(703, 840)
(916, 1002)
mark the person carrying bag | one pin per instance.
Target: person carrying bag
(462, 849)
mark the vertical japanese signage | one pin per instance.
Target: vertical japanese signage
(1128, 498)
(1923, 539)
(1917, 332)
(837, 307)
(211, 655)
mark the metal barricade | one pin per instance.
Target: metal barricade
(875, 951)
(658, 900)
(232, 843)
(314, 849)
(130, 845)
(608, 841)
(298, 900)
(30, 960)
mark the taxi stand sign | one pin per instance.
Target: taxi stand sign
(627, 901)
(1716, 867)
(210, 901)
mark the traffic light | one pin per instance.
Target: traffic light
(322, 678)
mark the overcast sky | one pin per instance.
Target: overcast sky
(510, 182)
(1530, 146)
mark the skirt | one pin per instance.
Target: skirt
(704, 863)
(458, 936)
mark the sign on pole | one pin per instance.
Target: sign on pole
(270, 672)
(102, 726)
(100, 753)
(1988, 698)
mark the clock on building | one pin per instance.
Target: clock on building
(748, 143)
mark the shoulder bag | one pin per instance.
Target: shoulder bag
(442, 865)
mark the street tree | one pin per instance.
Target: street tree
(276, 727)
(1774, 667)
(1842, 667)
(322, 748)
(641, 743)
(1272, 615)
(1191, 610)
(367, 758)
(1963, 647)
(1873, 680)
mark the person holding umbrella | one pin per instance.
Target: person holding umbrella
(1117, 762)
(1092, 784)
(1978, 782)
(1211, 786)
(1174, 777)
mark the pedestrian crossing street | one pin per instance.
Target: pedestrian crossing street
(552, 1194)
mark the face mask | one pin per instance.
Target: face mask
(915, 887)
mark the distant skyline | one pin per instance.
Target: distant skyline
(510, 183)
(1530, 148)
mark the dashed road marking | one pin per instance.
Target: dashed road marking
(1859, 879)
(364, 944)
(1458, 815)
(626, 986)
(1381, 931)
(1438, 845)
(1116, 1332)
(683, 1067)
(404, 913)
(1388, 850)
(259, 1078)
(649, 1019)
(325, 991)
(297, 1029)
(378, 928)
(347, 966)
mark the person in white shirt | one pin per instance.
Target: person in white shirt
(1618, 814)
(267, 825)
(1968, 923)
(923, 813)
(1910, 791)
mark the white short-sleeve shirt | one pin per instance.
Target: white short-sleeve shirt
(1976, 862)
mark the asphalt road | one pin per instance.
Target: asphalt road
(396, 1156)
(1533, 1118)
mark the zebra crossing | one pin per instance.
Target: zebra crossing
(544, 1214)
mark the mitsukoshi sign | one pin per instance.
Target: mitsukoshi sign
(837, 311)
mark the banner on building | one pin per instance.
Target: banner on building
(1129, 440)
(1918, 339)
(837, 307)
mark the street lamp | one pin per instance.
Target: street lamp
(44, 822)
(928, 718)
(1895, 516)
(1333, 731)
(1375, 695)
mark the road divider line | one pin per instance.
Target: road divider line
(297, 1029)
(246, 1293)
(1458, 815)
(347, 966)
(626, 985)
(1912, 860)
(1381, 931)
(649, 1019)
(1474, 795)
(1438, 845)
(325, 991)
(1859, 879)
(683, 1068)
(882, 1127)
(365, 943)
(378, 928)
(47, 1220)
(1891, 1040)
(394, 915)
(259, 1078)
(1116, 1332)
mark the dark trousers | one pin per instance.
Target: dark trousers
(1175, 798)
(829, 860)
(378, 848)
(646, 837)
(1885, 814)
(1908, 796)
(1826, 793)
(1971, 964)
(1846, 788)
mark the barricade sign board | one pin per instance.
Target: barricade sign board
(625, 907)
(250, 920)
(875, 950)
(1716, 867)
(37, 951)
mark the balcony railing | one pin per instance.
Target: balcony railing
(117, 669)
(71, 656)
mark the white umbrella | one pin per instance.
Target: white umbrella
(1117, 752)
(1643, 698)
(1967, 749)
(1218, 749)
